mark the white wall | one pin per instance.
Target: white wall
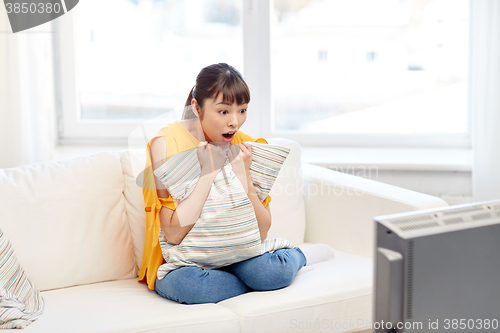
(485, 99)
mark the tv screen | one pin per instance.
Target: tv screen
(438, 270)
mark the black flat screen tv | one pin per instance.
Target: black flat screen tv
(438, 270)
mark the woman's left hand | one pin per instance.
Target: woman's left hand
(246, 151)
(240, 157)
(241, 154)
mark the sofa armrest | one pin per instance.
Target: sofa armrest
(340, 207)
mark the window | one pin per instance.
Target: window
(380, 71)
(138, 59)
(321, 72)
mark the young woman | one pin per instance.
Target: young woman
(215, 111)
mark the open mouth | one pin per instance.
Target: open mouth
(229, 135)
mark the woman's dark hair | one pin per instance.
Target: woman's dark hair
(215, 79)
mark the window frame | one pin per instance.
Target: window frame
(71, 128)
(257, 64)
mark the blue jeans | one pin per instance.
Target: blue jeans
(269, 271)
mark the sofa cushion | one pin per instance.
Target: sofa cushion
(133, 164)
(20, 300)
(126, 306)
(67, 220)
(334, 296)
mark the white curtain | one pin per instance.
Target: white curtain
(485, 99)
(27, 121)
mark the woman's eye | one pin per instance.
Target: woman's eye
(223, 112)
(243, 110)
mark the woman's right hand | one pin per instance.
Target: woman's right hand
(212, 158)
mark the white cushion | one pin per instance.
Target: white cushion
(67, 220)
(287, 201)
(324, 296)
(133, 163)
(126, 306)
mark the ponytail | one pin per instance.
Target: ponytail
(190, 97)
(188, 109)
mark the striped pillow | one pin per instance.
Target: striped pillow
(20, 300)
(227, 230)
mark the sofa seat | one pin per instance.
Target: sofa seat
(335, 295)
(132, 307)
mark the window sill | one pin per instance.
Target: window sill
(414, 159)
(66, 151)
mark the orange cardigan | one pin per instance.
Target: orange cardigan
(178, 139)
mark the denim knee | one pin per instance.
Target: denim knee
(270, 271)
(194, 285)
(278, 274)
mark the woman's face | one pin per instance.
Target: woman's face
(222, 120)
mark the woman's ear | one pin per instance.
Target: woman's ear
(196, 108)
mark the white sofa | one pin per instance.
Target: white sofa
(77, 227)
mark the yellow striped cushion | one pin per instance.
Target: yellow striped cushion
(20, 300)
(227, 230)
